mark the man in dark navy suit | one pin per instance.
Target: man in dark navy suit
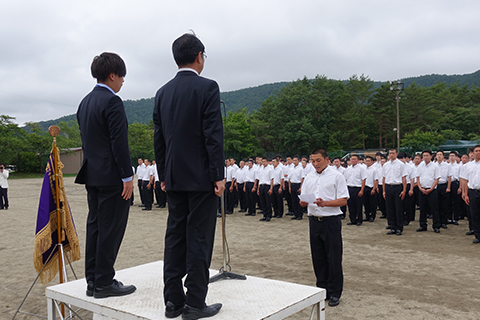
(107, 173)
(189, 152)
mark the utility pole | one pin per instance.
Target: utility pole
(398, 87)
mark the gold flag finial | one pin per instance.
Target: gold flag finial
(54, 130)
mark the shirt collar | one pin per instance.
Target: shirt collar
(188, 69)
(105, 86)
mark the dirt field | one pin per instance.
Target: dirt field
(413, 276)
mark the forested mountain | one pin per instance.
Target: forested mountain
(429, 80)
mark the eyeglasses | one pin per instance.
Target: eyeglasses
(204, 55)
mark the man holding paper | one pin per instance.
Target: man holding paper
(324, 191)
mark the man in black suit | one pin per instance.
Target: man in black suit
(107, 173)
(188, 143)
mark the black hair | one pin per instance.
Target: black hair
(440, 151)
(401, 155)
(320, 151)
(427, 151)
(106, 64)
(186, 48)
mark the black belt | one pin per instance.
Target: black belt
(392, 185)
(442, 184)
(323, 218)
(477, 190)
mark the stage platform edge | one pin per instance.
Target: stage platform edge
(254, 298)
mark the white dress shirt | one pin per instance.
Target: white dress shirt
(444, 171)
(355, 175)
(297, 174)
(471, 173)
(277, 175)
(371, 176)
(328, 185)
(394, 171)
(265, 175)
(140, 171)
(427, 173)
(3, 178)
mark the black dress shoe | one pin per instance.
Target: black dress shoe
(359, 224)
(383, 216)
(455, 222)
(334, 301)
(436, 230)
(141, 205)
(90, 288)
(299, 218)
(241, 210)
(444, 226)
(268, 219)
(248, 214)
(470, 233)
(370, 220)
(406, 223)
(399, 233)
(366, 219)
(476, 241)
(289, 214)
(263, 219)
(293, 218)
(421, 229)
(351, 224)
(391, 232)
(173, 311)
(114, 290)
(388, 227)
(146, 209)
(219, 215)
(191, 313)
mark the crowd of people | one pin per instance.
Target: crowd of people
(442, 186)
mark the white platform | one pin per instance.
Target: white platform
(254, 298)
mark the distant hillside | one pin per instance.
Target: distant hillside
(251, 98)
(429, 80)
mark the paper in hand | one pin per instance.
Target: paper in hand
(310, 198)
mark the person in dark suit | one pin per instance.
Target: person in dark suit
(188, 143)
(107, 174)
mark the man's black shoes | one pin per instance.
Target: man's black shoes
(470, 233)
(391, 232)
(173, 311)
(334, 301)
(476, 241)
(436, 230)
(421, 229)
(114, 290)
(191, 313)
(90, 288)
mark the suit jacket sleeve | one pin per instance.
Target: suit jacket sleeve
(118, 129)
(159, 144)
(213, 132)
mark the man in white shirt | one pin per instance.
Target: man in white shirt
(248, 188)
(356, 176)
(229, 195)
(409, 201)
(371, 185)
(337, 165)
(239, 177)
(288, 197)
(140, 173)
(453, 214)
(443, 187)
(296, 179)
(278, 186)
(330, 191)
(147, 184)
(394, 190)
(427, 180)
(3, 187)
(471, 191)
(265, 190)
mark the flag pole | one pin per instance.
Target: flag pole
(55, 131)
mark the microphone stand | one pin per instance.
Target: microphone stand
(223, 273)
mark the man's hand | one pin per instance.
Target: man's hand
(360, 194)
(410, 193)
(270, 191)
(402, 195)
(127, 190)
(219, 187)
(320, 202)
(303, 203)
(162, 186)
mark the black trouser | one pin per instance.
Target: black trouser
(229, 197)
(140, 191)
(394, 206)
(443, 202)
(188, 246)
(249, 197)
(277, 201)
(355, 205)
(370, 203)
(429, 205)
(474, 197)
(160, 194)
(265, 200)
(147, 194)
(106, 223)
(297, 209)
(381, 201)
(242, 197)
(326, 248)
(454, 205)
(288, 198)
(416, 194)
(409, 205)
(3, 198)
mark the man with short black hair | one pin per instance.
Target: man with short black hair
(296, 179)
(471, 191)
(325, 225)
(107, 174)
(371, 185)
(4, 173)
(443, 187)
(427, 180)
(355, 176)
(188, 122)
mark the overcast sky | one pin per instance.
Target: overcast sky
(47, 46)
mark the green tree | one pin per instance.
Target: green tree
(240, 140)
(418, 140)
(140, 141)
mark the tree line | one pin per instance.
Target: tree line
(301, 115)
